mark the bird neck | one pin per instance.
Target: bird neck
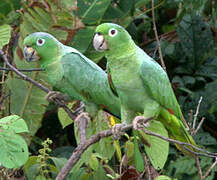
(51, 56)
(121, 57)
(122, 50)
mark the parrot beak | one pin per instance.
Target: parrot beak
(30, 54)
(99, 42)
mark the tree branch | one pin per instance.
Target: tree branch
(22, 70)
(79, 150)
(24, 77)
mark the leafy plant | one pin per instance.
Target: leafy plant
(14, 149)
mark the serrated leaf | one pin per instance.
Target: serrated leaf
(14, 150)
(14, 123)
(5, 34)
(159, 149)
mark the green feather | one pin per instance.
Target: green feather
(140, 82)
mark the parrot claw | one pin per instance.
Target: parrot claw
(116, 131)
(139, 122)
(53, 95)
(83, 115)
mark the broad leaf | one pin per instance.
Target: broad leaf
(92, 11)
(63, 117)
(159, 148)
(14, 150)
(14, 123)
(196, 39)
(5, 34)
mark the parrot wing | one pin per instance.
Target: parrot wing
(158, 86)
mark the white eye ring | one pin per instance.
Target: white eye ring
(112, 32)
(40, 42)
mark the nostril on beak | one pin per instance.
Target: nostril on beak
(98, 33)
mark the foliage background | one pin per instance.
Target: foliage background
(188, 37)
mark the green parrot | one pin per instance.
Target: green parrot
(72, 73)
(141, 83)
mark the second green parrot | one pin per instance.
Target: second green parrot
(140, 82)
(72, 73)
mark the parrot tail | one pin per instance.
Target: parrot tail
(177, 131)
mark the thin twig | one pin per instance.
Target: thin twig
(210, 169)
(24, 77)
(196, 113)
(198, 167)
(22, 70)
(199, 125)
(157, 39)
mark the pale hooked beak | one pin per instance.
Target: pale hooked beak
(99, 42)
(30, 54)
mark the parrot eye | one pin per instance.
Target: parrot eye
(112, 32)
(40, 42)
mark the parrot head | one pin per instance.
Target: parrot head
(40, 46)
(110, 37)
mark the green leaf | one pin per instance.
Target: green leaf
(118, 150)
(139, 162)
(63, 117)
(159, 149)
(14, 123)
(59, 162)
(5, 34)
(100, 173)
(129, 149)
(196, 39)
(93, 162)
(14, 150)
(92, 11)
(105, 146)
(33, 171)
(40, 177)
(31, 161)
(183, 165)
(27, 100)
(83, 39)
(204, 138)
(162, 177)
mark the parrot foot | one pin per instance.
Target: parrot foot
(53, 95)
(140, 122)
(116, 131)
